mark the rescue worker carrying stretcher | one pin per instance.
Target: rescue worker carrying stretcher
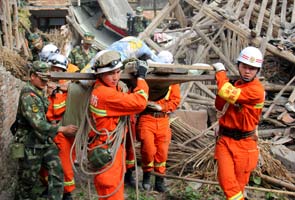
(241, 104)
(154, 130)
(109, 106)
(56, 109)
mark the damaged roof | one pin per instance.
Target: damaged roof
(115, 11)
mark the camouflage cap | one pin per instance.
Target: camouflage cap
(40, 68)
(34, 38)
(88, 38)
(138, 10)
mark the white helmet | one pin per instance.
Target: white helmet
(166, 57)
(251, 56)
(106, 61)
(58, 60)
(47, 51)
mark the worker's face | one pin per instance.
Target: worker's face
(247, 72)
(111, 78)
(38, 82)
(86, 45)
(39, 45)
(56, 69)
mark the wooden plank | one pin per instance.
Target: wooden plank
(249, 13)
(4, 25)
(239, 8)
(205, 89)
(244, 33)
(15, 25)
(9, 23)
(270, 27)
(224, 44)
(205, 52)
(267, 86)
(293, 13)
(229, 5)
(152, 44)
(169, 79)
(266, 114)
(283, 16)
(158, 19)
(230, 66)
(292, 96)
(179, 15)
(261, 17)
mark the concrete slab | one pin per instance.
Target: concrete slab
(195, 118)
(285, 155)
(103, 37)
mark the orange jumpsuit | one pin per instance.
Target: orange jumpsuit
(155, 133)
(56, 109)
(107, 104)
(236, 158)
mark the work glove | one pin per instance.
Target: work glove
(218, 67)
(154, 106)
(142, 68)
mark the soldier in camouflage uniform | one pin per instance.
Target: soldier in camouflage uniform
(36, 134)
(81, 55)
(137, 23)
(36, 43)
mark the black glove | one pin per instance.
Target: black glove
(142, 68)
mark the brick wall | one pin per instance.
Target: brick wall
(9, 93)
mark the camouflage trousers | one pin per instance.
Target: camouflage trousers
(29, 168)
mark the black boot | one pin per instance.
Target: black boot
(67, 196)
(160, 185)
(129, 179)
(146, 182)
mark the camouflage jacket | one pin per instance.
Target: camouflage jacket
(80, 58)
(33, 129)
(35, 55)
(139, 25)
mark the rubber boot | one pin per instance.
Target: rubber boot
(67, 196)
(146, 182)
(160, 184)
(129, 179)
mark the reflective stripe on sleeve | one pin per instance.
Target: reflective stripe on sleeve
(99, 112)
(259, 105)
(141, 92)
(60, 105)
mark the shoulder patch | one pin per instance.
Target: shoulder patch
(32, 94)
(35, 108)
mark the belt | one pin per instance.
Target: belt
(156, 114)
(235, 134)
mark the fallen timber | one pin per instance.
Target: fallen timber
(166, 74)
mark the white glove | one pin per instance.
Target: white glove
(218, 67)
(154, 106)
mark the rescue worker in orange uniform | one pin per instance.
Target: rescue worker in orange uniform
(56, 109)
(108, 104)
(236, 148)
(155, 133)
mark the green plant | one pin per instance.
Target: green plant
(142, 195)
(191, 194)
